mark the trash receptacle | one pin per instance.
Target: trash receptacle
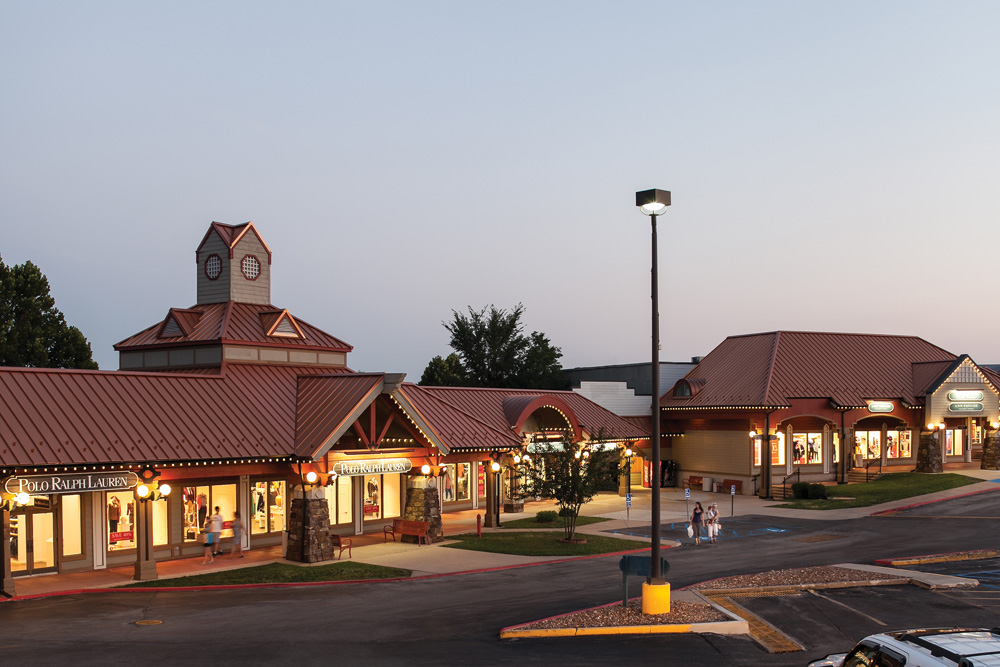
(708, 484)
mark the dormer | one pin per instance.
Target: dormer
(234, 264)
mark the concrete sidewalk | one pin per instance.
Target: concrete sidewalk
(434, 560)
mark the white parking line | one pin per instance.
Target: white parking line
(870, 618)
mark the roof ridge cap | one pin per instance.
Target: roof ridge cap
(770, 368)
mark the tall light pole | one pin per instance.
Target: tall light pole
(656, 591)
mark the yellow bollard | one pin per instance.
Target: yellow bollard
(655, 598)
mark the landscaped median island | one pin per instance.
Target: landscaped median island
(894, 486)
(704, 615)
(280, 573)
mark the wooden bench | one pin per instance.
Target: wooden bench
(694, 481)
(419, 529)
(726, 486)
(341, 543)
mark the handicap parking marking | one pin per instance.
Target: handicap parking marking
(731, 529)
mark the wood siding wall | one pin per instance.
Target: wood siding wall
(243, 290)
(214, 291)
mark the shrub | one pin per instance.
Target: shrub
(800, 490)
(546, 516)
(817, 491)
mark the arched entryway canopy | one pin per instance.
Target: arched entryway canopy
(548, 415)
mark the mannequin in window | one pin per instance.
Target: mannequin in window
(114, 514)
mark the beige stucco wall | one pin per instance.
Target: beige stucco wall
(714, 453)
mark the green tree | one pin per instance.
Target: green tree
(493, 351)
(444, 372)
(32, 330)
(571, 474)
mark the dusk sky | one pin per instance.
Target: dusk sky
(834, 166)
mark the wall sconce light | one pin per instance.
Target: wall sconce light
(312, 477)
(495, 467)
(425, 469)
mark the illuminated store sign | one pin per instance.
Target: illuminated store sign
(880, 406)
(965, 395)
(371, 467)
(966, 407)
(74, 483)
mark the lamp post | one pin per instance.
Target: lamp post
(495, 467)
(654, 203)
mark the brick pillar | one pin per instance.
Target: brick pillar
(991, 451)
(929, 453)
(317, 546)
(423, 504)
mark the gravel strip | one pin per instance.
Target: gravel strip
(684, 613)
(798, 576)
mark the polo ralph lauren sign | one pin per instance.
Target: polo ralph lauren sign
(371, 467)
(73, 483)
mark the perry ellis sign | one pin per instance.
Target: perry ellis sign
(73, 483)
(371, 467)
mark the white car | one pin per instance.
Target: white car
(931, 647)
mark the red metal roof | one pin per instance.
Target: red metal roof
(326, 405)
(486, 407)
(769, 369)
(234, 323)
(60, 416)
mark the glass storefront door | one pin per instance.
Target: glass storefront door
(32, 541)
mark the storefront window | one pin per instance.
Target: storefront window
(897, 444)
(462, 481)
(954, 442)
(338, 497)
(382, 498)
(481, 478)
(778, 450)
(200, 503)
(267, 500)
(456, 481)
(807, 448)
(121, 520)
(836, 447)
(868, 444)
(72, 525)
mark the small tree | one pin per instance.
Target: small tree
(571, 474)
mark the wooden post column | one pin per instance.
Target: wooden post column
(145, 561)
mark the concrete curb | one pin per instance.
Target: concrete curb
(978, 554)
(735, 626)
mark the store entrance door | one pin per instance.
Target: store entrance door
(32, 541)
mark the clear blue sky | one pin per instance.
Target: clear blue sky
(834, 165)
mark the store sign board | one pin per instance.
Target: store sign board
(71, 483)
(965, 395)
(881, 406)
(966, 407)
(371, 467)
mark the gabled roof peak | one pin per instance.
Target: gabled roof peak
(231, 235)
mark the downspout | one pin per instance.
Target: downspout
(842, 467)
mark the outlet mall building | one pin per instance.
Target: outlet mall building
(774, 408)
(231, 403)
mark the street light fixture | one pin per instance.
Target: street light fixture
(495, 467)
(656, 591)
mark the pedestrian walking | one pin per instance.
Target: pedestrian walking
(237, 547)
(696, 520)
(215, 529)
(712, 519)
(206, 534)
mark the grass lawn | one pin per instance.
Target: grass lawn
(891, 487)
(542, 544)
(551, 525)
(278, 573)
